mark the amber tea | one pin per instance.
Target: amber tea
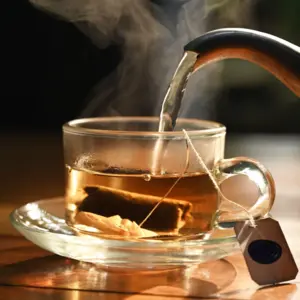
(131, 202)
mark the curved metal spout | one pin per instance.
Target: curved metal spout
(276, 55)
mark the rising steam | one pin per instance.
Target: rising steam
(151, 35)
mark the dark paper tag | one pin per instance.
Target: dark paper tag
(266, 252)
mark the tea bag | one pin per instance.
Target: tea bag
(265, 249)
(107, 202)
(266, 252)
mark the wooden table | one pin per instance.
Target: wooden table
(32, 168)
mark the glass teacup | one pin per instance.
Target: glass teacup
(112, 191)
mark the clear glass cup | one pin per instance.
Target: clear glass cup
(126, 181)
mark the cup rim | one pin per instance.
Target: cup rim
(73, 127)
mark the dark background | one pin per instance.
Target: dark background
(48, 67)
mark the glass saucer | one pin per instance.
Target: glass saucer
(42, 222)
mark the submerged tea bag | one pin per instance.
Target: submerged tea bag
(170, 215)
(266, 252)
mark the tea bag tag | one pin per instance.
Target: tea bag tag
(266, 252)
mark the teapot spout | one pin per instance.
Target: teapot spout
(274, 54)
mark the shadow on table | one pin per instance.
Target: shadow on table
(61, 273)
(68, 276)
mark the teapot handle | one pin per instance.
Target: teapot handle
(274, 54)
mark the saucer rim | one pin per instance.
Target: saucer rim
(19, 226)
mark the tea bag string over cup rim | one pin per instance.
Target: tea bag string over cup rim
(270, 191)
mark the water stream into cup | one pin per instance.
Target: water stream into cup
(171, 106)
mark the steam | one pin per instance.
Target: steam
(151, 35)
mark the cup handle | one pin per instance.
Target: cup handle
(258, 174)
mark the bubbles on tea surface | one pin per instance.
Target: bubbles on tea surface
(91, 162)
(147, 177)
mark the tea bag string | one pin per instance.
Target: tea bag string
(171, 188)
(211, 176)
